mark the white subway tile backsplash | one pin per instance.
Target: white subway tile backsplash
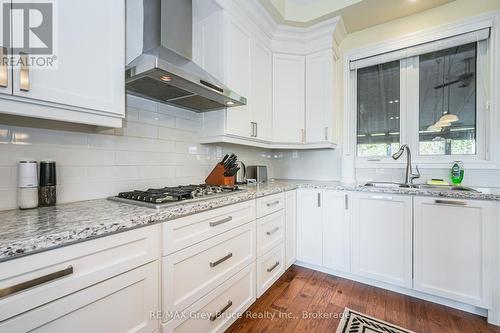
(158, 146)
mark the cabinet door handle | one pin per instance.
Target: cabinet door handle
(346, 201)
(221, 311)
(326, 133)
(319, 199)
(24, 75)
(4, 69)
(381, 197)
(303, 135)
(269, 204)
(35, 282)
(450, 202)
(221, 260)
(270, 269)
(256, 129)
(225, 220)
(269, 233)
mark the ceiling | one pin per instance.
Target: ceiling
(357, 14)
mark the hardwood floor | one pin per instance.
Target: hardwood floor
(301, 289)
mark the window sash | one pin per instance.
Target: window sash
(409, 113)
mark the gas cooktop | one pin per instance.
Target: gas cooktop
(167, 196)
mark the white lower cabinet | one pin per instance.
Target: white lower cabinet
(269, 268)
(309, 226)
(191, 273)
(454, 242)
(381, 237)
(336, 230)
(121, 304)
(290, 227)
(220, 308)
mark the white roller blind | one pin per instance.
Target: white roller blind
(440, 44)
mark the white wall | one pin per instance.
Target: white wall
(158, 146)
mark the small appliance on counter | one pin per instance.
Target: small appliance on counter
(241, 175)
(47, 190)
(27, 193)
(257, 172)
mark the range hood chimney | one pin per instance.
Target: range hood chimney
(164, 71)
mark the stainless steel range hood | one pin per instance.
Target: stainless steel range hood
(164, 71)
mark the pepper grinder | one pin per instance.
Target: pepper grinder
(27, 192)
(47, 190)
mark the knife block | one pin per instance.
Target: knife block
(216, 177)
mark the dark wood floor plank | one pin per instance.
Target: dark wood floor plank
(301, 289)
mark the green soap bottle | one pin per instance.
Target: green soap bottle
(457, 172)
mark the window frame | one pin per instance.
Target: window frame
(409, 105)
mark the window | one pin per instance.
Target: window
(378, 109)
(431, 96)
(447, 106)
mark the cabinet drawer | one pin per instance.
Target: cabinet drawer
(71, 268)
(270, 231)
(184, 232)
(231, 298)
(270, 204)
(121, 304)
(191, 273)
(269, 268)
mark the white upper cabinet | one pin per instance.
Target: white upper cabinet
(381, 237)
(5, 72)
(288, 103)
(319, 96)
(262, 91)
(87, 83)
(239, 77)
(454, 242)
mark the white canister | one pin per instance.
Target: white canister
(27, 180)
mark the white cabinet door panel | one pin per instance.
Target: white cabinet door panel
(309, 226)
(262, 89)
(121, 304)
(319, 96)
(290, 227)
(288, 98)
(453, 248)
(238, 77)
(336, 230)
(381, 238)
(5, 71)
(90, 58)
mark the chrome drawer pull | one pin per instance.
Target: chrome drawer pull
(449, 202)
(272, 231)
(35, 282)
(4, 69)
(216, 223)
(221, 260)
(221, 311)
(272, 203)
(274, 266)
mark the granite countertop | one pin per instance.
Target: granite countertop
(31, 231)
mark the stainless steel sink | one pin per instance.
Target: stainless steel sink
(420, 186)
(387, 185)
(444, 188)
